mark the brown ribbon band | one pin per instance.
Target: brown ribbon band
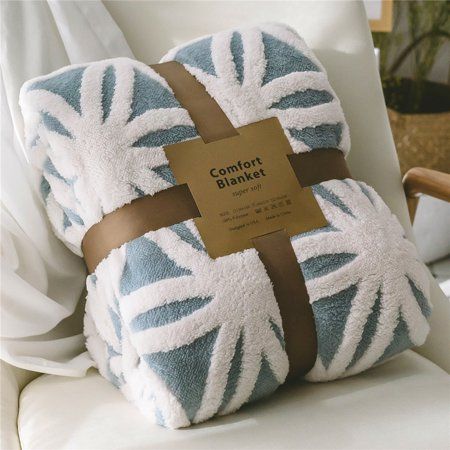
(277, 255)
(177, 204)
(211, 122)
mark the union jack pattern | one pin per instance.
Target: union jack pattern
(183, 336)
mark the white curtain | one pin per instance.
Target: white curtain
(41, 280)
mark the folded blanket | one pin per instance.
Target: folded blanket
(184, 336)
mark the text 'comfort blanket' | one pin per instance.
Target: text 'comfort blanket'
(184, 336)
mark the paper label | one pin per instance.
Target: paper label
(244, 187)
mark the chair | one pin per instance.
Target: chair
(402, 404)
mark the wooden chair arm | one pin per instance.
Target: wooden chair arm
(419, 180)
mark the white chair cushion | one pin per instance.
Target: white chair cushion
(400, 405)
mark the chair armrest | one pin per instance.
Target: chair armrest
(419, 180)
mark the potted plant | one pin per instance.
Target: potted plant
(419, 109)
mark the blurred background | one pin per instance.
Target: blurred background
(412, 45)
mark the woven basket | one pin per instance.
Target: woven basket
(422, 140)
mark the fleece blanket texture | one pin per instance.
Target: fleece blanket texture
(186, 337)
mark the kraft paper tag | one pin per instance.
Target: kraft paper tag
(244, 187)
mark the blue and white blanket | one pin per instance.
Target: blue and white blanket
(184, 336)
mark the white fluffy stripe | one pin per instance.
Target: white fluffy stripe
(316, 245)
(223, 58)
(329, 113)
(384, 334)
(254, 58)
(45, 101)
(218, 373)
(156, 119)
(121, 102)
(60, 191)
(360, 310)
(175, 334)
(91, 94)
(250, 363)
(415, 271)
(320, 287)
(417, 324)
(278, 88)
(276, 357)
